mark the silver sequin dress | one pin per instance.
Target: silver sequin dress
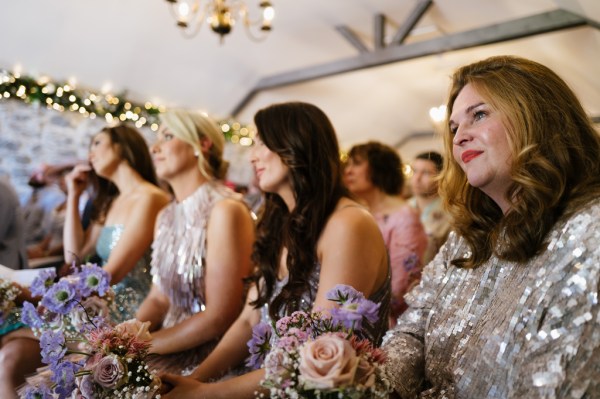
(178, 267)
(131, 291)
(505, 330)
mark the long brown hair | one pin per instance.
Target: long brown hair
(302, 135)
(131, 147)
(555, 152)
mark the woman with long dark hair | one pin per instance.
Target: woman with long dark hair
(310, 238)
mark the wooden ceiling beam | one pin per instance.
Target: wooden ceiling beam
(352, 38)
(516, 29)
(412, 20)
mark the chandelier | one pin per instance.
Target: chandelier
(221, 15)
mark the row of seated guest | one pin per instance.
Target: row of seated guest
(189, 296)
(310, 238)
(507, 308)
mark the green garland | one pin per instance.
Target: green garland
(61, 96)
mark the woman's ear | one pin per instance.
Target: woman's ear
(205, 144)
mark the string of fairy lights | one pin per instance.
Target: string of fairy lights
(65, 96)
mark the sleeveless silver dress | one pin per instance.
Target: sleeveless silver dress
(178, 267)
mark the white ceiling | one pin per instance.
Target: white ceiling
(134, 46)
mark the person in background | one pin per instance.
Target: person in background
(311, 237)
(53, 222)
(33, 212)
(125, 207)
(509, 308)
(13, 252)
(18, 353)
(373, 173)
(426, 199)
(202, 245)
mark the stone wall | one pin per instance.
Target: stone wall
(31, 135)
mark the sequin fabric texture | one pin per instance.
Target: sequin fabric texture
(133, 288)
(178, 265)
(505, 330)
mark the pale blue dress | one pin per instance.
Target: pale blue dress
(133, 288)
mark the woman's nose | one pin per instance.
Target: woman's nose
(461, 136)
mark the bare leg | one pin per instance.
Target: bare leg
(19, 357)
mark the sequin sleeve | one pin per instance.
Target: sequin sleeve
(561, 357)
(404, 345)
(505, 329)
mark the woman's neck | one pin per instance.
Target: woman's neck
(376, 200)
(126, 178)
(184, 185)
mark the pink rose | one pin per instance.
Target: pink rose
(110, 372)
(135, 328)
(327, 362)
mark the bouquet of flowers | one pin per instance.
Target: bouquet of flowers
(88, 357)
(70, 304)
(321, 354)
(8, 294)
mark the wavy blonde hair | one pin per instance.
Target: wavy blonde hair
(191, 127)
(556, 160)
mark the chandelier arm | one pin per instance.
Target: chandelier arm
(191, 32)
(237, 8)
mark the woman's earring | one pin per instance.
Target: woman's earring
(196, 153)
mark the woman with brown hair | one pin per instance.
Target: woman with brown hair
(508, 308)
(127, 202)
(126, 206)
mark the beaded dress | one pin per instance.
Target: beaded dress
(178, 267)
(505, 330)
(133, 288)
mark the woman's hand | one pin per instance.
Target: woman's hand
(77, 179)
(178, 387)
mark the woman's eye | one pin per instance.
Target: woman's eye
(453, 129)
(479, 115)
(168, 137)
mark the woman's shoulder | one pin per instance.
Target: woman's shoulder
(582, 225)
(348, 210)
(150, 192)
(350, 217)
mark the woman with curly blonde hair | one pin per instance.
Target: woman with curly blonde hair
(508, 308)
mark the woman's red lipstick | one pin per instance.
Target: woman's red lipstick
(469, 155)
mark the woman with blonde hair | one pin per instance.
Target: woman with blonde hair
(202, 245)
(508, 308)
